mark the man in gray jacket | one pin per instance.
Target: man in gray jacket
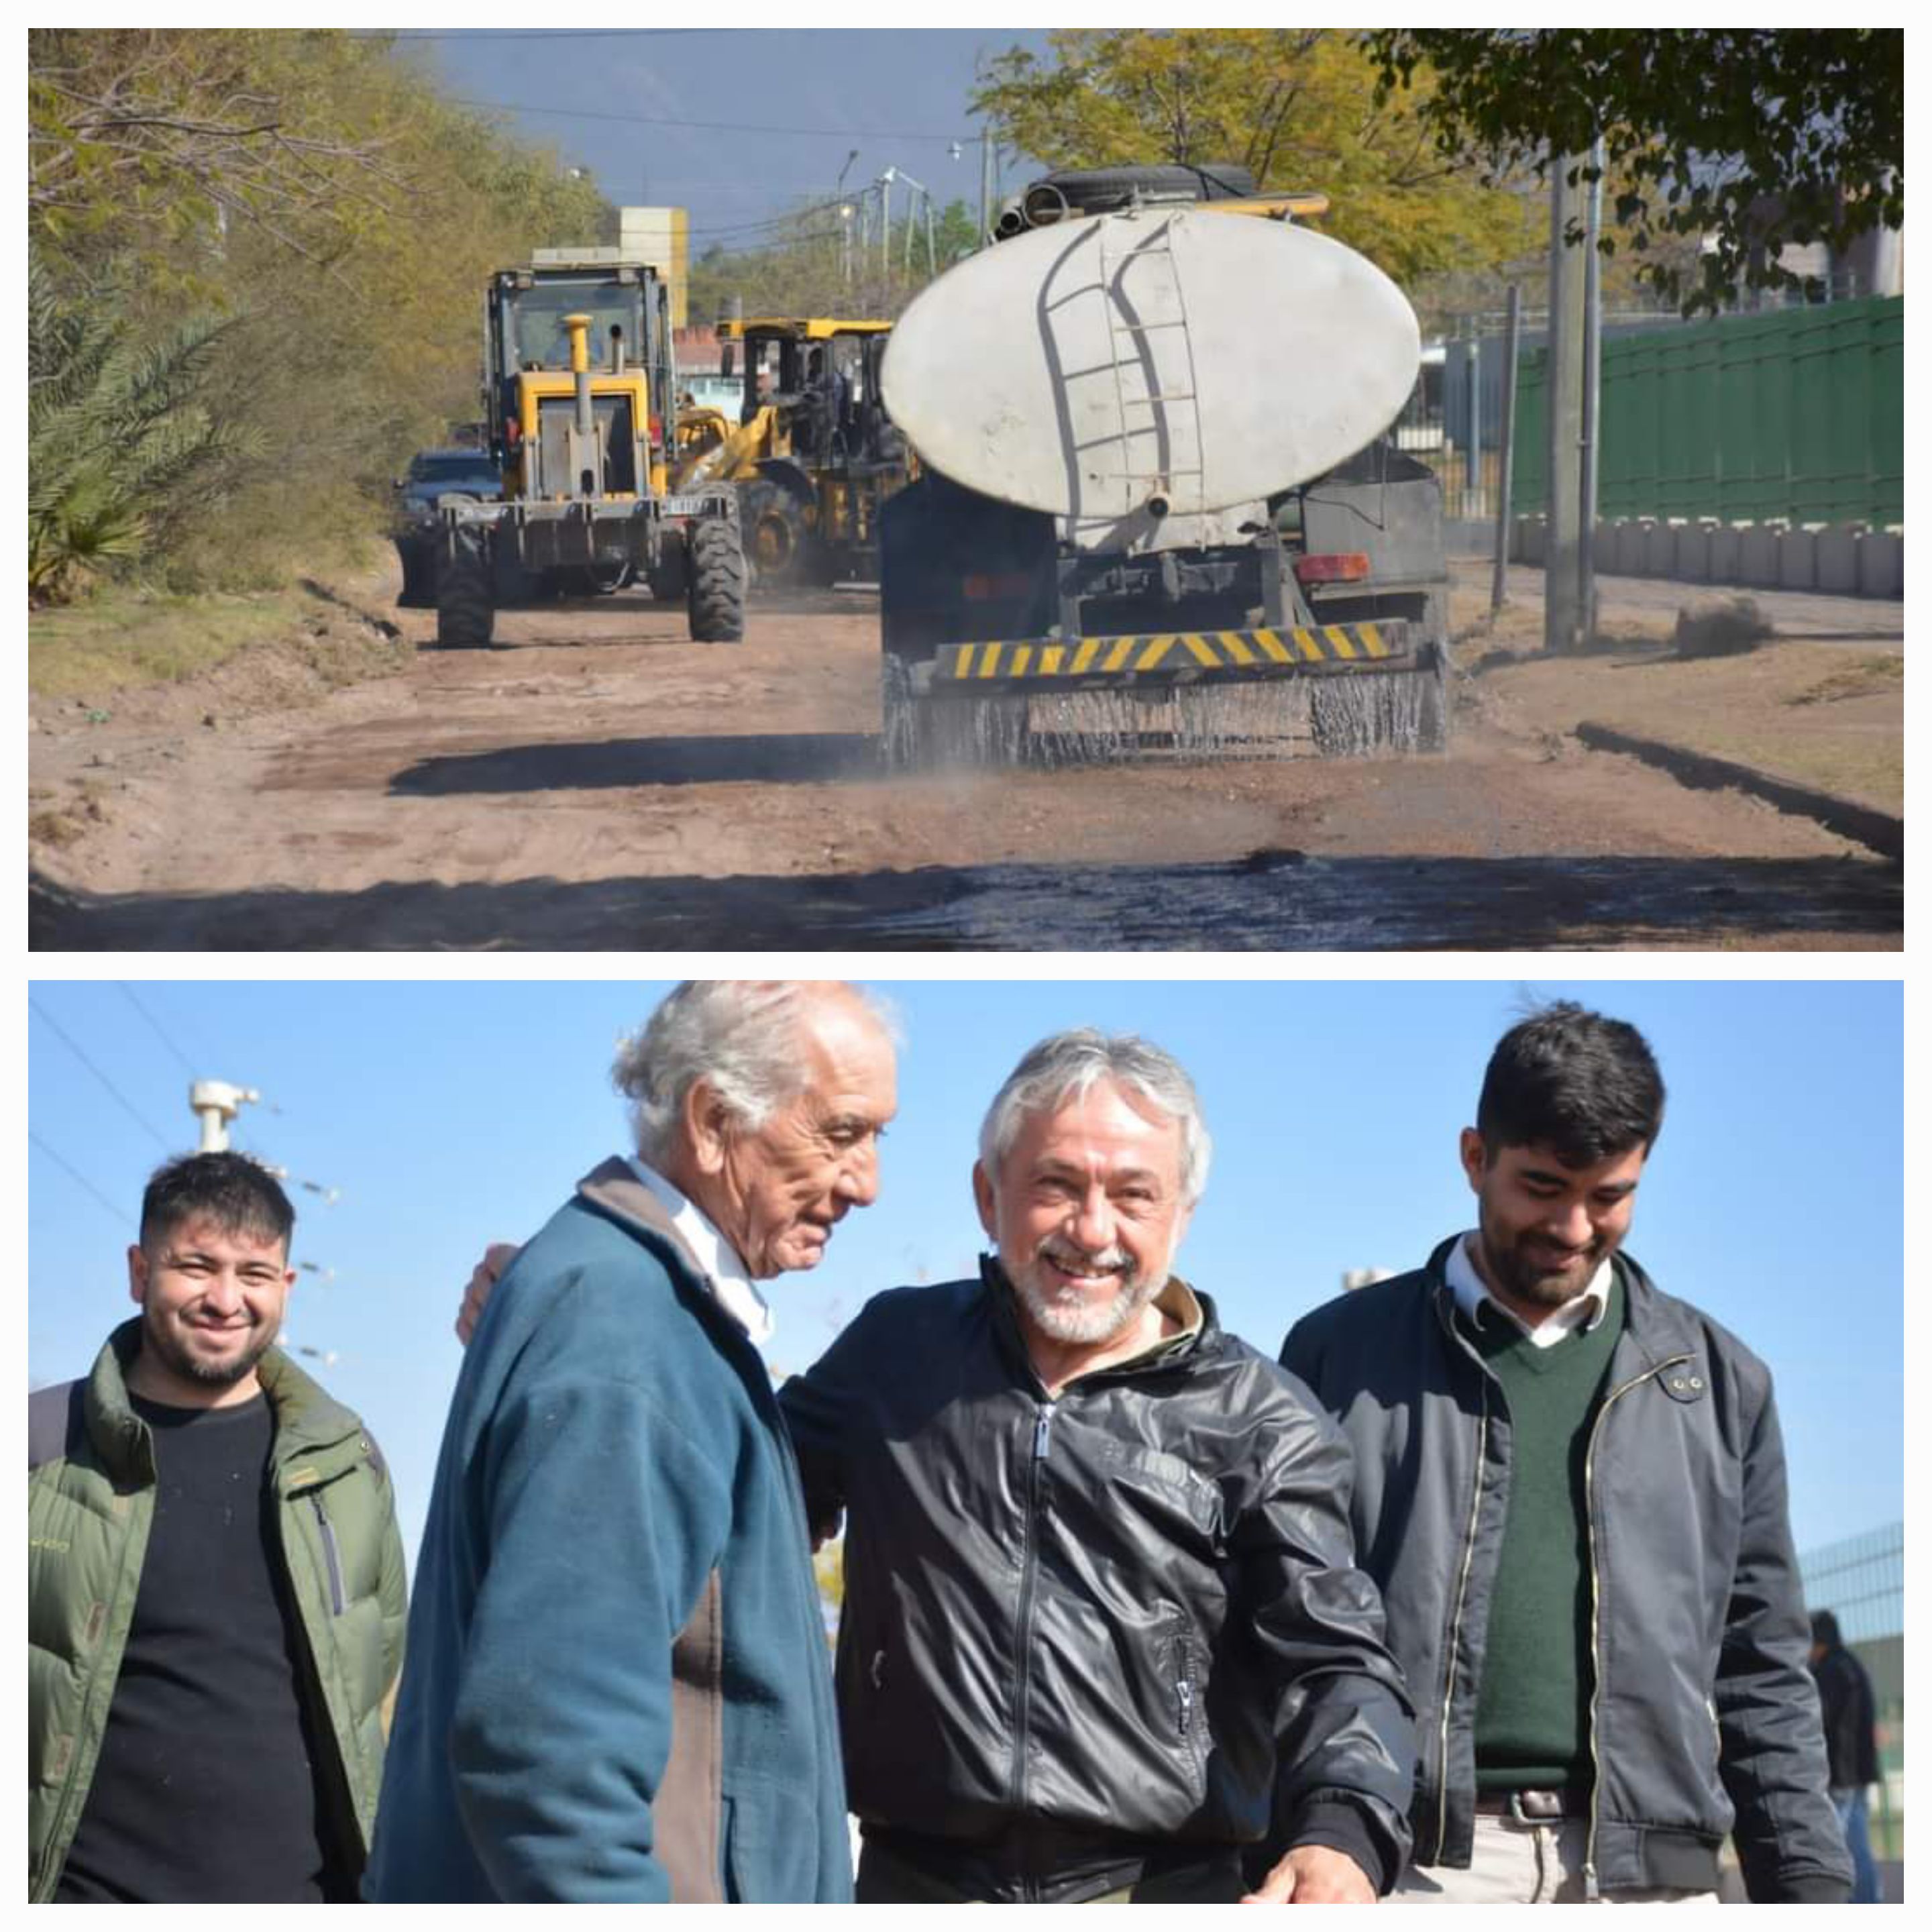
(1569, 1487)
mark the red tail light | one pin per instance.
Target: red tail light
(513, 432)
(1345, 566)
(656, 429)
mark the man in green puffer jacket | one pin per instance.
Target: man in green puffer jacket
(215, 1595)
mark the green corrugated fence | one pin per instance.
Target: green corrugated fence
(1795, 413)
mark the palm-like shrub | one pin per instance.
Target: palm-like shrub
(121, 437)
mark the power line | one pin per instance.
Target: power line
(712, 127)
(127, 1106)
(80, 1180)
(188, 1066)
(404, 39)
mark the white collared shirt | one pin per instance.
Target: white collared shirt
(1584, 1309)
(737, 1293)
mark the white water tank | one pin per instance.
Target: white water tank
(1162, 362)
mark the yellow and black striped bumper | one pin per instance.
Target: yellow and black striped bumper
(1167, 658)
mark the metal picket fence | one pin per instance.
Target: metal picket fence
(1861, 1581)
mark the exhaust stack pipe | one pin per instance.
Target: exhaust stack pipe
(583, 430)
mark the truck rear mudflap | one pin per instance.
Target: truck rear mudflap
(1165, 657)
(1329, 690)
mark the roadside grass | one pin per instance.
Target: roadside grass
(1815, 714)
(128, 639)
(1864, 677)
(124, 638)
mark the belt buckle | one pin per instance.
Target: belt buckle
(1537, 1808)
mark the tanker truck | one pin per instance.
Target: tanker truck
(1159, 510)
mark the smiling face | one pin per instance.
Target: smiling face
(1086, 1209)
(1545, 1227)
(211, 1301)
(776, 1191)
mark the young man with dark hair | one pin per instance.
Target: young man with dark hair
(215, 1583)
(1569, 1487)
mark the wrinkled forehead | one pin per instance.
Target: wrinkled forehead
(841, 1041)
(1103, 1113)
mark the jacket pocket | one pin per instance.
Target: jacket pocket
(1190, 1721)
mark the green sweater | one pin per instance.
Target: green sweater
(1533, 1711)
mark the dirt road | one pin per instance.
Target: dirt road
(598, 781)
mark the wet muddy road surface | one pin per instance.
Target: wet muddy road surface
(597, 781)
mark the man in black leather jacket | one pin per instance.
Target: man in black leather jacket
(1103, 1632)
(1569, 1487)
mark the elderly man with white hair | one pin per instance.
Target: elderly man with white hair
(616, 1686)
(1103, 1635)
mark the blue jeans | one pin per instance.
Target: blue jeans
(1852, 1821)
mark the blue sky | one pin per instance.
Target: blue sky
(787, 105)
(447, 1115)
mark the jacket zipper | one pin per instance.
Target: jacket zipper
(338, 1601)
(1043, 1431)
(1590, 1892)
(1455, 1626)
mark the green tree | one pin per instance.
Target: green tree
(1299, 107)
(1738, 140)
(314, 194)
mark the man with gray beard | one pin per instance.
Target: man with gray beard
(1103, 1635)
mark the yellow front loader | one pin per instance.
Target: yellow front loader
(812, 454)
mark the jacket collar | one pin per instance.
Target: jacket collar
(310, 1423)
(1194, 1309)
(1655, 1325)
(614, 1188)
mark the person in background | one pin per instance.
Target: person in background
(1850, 1716)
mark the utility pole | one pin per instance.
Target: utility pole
(886, 181)
(1561, 617)
(916, 192)
(985, 182)
(214, 1103)
(1472, 480)
(844, 220)
(1593, 369)
(1512, 341)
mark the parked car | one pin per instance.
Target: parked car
(433, 473)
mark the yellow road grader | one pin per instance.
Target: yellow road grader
(578, 395)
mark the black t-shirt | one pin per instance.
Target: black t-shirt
(206, 1789)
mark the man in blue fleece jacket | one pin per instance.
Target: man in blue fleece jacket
(617, 1687)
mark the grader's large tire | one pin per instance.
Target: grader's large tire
(466, 602)
(715, 566)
